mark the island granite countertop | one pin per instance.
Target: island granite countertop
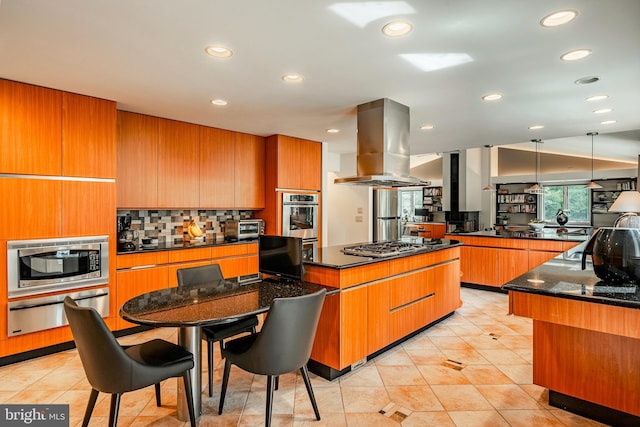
(180, 244)
(575, 236)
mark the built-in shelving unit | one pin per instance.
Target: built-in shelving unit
(513, 202)
(603, 198)
(432, 199)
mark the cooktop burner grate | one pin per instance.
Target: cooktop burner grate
(382, 249)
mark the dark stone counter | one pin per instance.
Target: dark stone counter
(564, 278)
(168, 246)
(580, 235)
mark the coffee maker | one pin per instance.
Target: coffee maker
(127, 238)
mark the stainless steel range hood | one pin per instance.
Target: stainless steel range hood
(383, 146)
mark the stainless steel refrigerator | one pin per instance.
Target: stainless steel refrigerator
(386, 216)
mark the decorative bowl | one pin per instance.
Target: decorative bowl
(537, 226)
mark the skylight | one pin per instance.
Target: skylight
(436, 61)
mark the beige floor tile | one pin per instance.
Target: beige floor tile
(369, 420)
(485, 374)
(539, 394)
(439, 331)
(421, 419)
(283, 400)
(420, 342)
(6, 395)
(498, 329)
(215, 420)
(414, 397)
(401, 375)
(522, 329)
(440, 374)
(367, 375)
(569, 419)
(394, 358)
(328, 399)
(519, 374)
(525, 353)
(277, 420)
(501, 356)
(468, 357)
(427, 356)
(466, 330)
(478, 419)
(516, 341)
(326, 420)
(21, 378)
(450, 343)
(234, 402)
(508, 396)
(40, 397)
(528, 418)
(156, 421)
(58, 379)
(364, 399)
(484, 341)
(461, 398)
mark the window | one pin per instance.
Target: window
(573, 199)
(409, 201)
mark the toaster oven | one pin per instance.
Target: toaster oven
(243, 229)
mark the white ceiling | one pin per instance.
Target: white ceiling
(148, 55)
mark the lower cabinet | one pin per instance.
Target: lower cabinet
(131, 283)
(353, 318)
(378, 316)
(479, 265)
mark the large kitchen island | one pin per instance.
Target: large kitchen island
(383, 299)
(586, 339)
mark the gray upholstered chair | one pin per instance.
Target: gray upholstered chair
(215, 333)
(283, 345)
(115, 369)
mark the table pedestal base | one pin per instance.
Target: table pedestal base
(189, 338)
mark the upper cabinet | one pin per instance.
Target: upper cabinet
(88, 136)
(137, 182)
(30, 129)
(296, 163)
(170, 164)
(178, 164)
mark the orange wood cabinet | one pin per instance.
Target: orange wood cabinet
(178, 164)
(479, 265)
(88, 136)
(217, 168)
(433, 231)
(88, 208)
(131, 283)
(249, 183)
(382, 302)
(30, 129)
(294, 163)
(583, 349)
(137, 154)
(511, 264)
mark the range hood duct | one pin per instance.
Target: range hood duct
(383, 146)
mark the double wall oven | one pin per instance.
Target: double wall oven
(41, 269)
(300, 219)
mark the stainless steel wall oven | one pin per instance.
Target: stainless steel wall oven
(50, 265)
(300, 215)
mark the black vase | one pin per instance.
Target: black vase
(562, 218)
(616, 255)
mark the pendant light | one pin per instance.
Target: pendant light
(536, 188)
(592, 185)
(489, 187)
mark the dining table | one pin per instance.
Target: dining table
(189, 307)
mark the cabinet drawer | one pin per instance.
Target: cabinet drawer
(186, 255)
(410, 318)
(545, 245)
(228, 250)
(407, 289)
(140, 260)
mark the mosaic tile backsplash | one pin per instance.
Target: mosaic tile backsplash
(167, 226)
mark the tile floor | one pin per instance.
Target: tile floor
(472, 369)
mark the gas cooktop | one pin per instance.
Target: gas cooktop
(383, 249)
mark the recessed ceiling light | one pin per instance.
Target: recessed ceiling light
(603, 110)
(535, 127)
(219, 51)
(597, 97)
(332, 130)
(587, 80)
(608, 122)
(492, 97)
(219, 102)
(426, 127)
(575, 55)
(292, 78)
(397, 28)
(558, 18)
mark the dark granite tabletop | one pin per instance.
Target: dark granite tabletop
(173, 245)
(563, 277)
(575, 235)
(215, 303)
(333, 257)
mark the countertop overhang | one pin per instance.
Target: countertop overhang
(529, 234)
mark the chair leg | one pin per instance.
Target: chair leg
(115, 406)
(225, 381)
(307, 383)
(277, 382)
(90, 405)
(210, 365)
(158, 396)
(187, 391)
(269, 408)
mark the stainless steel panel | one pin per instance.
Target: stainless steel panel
(37, 314)
(386, 230)
(385, 203)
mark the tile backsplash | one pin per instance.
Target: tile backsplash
(166, 226)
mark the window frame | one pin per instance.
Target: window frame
(565, 207)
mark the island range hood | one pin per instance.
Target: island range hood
(383, 146)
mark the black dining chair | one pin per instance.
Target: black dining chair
(216, 333)
(115, 369)
(283, 345)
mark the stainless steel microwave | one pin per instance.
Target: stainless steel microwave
(50, 265)
(243, 229)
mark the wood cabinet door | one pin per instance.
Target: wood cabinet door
(537, 258)
(353, 318)
(137, 154)
(447, 289)
(288, 162)
(511, 264)
(31, 208)
(217, 168)
(131, 283)
(378, 316)
(178, 164)
(310, 165)
(30, 129)
(249, 185)
(479, 265)
(88, 208)
(88, 136)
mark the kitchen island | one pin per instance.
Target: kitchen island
(586, 339)
(382, 301)
(489, 259)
